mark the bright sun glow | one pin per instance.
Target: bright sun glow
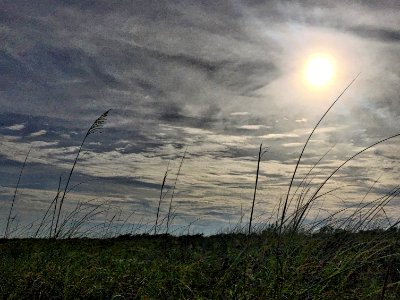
(319, 71)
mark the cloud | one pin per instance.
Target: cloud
(240, 113)
(292, 144)
(302, 120)
(38, 133)
(252, 127)
(219, 77)
(376, 33)
(16, 127)
(278, 136)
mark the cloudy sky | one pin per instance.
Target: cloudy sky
(217, 77)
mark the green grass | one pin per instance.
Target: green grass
(333, 265)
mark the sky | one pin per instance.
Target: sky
(217, 78)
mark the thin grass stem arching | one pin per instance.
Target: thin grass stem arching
(96, 126)
(304, 147)
(173, 191)
(6, 231)
(315, 194)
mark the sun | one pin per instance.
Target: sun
(319, 70)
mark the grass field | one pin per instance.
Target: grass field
(326, 265)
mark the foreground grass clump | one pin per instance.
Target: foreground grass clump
(329, 265)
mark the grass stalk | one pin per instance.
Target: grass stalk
(385, 282)
(260, 154)
(55, 207)
(96, 126)
(6, 231)
(315, 194)
(302, 152)
(53, 202)
(161, 198)
(173, 191)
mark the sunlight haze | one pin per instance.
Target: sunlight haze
(319, 70)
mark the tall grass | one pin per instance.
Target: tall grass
(285, 205)
(292, 224)
(53, 203)
(6, 231)
(304, 195)
(161, 198)
(300, 214)
(173, 192)
(96, 126)
(260, 155)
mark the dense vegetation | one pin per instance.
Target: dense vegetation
(331, 264)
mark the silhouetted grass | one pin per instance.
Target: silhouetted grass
(162, 195)
(7, 229)
(96, 126)
(169, 216)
